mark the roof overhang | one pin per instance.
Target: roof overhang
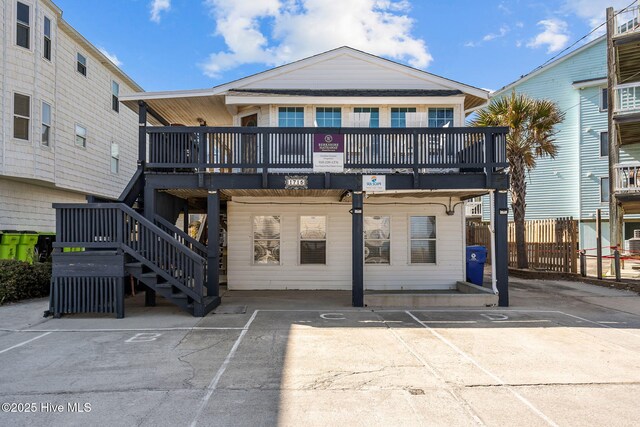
(584, 84)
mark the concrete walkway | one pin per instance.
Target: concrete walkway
(563, 354)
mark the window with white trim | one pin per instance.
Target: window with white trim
(115, 93)
(81, 136)
(329, 117)
(440, 117)
(46, 123)
(21, 116)
(377, 239)
(370, 113)
(604, 144)
(399, 116)
(422, 233)
(266, 240)
(291, 144)
(313, 240)
(23, 26)
(115, 158)
(81, 64)
(46, 46)
(604, 190)
(604, 99)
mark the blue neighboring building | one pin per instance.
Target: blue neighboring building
(575, 183)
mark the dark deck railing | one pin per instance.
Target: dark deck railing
(117, 226)
(247, 149)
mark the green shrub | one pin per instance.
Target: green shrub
(19, 280)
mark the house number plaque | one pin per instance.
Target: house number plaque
(297, 182)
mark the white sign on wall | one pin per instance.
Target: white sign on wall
(374, 183)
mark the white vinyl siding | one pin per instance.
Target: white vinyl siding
(336, 274)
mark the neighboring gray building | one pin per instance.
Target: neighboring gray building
(63, 135)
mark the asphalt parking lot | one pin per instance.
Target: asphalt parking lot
(563, 354)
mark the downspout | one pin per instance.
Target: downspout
(492, 230)
(579, 167)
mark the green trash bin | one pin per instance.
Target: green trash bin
(25, 253)
(10, 238)
(7, 251)
(28, 239)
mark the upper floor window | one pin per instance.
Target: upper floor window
(266, 239)
(289, 117)
(361, 114)
(115, 158)
(604, 144)
(329, 117)
(21, 116)
(115, 93)
(604, 99)
(81, 64)
(440, 117)
(23, 27)
(377, 239)
(46, 123)
(46, 50)
(422, 233)
(604, 190)
(313, 240)
(399, 116)
(81, 136)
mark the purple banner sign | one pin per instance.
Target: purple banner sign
(328, 143)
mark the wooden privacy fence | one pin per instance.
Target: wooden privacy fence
(552, 244)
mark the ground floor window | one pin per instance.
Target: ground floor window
(422, 230)
(266, 240)
(313, 240)
(377, 239)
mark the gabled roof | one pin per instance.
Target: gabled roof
(433, 85)
(546, 67)
(351, 92)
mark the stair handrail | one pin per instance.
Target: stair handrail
(110, 238)
(181, 236)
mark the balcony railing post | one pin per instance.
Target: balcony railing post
(266, 143)
(416, 160)
(142, 132)
(488, 156)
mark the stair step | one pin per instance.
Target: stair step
(133, 265)
(152, 274)
(179, 296)
(164, 285)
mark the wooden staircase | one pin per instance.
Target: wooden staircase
(159, 255)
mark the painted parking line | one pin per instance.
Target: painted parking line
(214, 381)
(25, 342)
(194, 328)
(521, 398)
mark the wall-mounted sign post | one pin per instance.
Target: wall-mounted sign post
(328, 153)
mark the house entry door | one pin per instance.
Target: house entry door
(249, 148)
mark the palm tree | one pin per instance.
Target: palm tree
(531, 123)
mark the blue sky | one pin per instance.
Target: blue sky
(189, 44)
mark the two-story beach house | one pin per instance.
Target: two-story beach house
(341, 171)
(63, 133)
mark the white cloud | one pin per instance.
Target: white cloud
(110, 56)
(593, 11)
(157, 7)
(555, 35)
(504, 29)
(273, 32)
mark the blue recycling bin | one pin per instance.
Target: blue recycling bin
(476, 257)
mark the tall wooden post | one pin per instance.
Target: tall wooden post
(213, 243)
(501, 257)
(616, 213)
(357, 250)
(599, 243)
